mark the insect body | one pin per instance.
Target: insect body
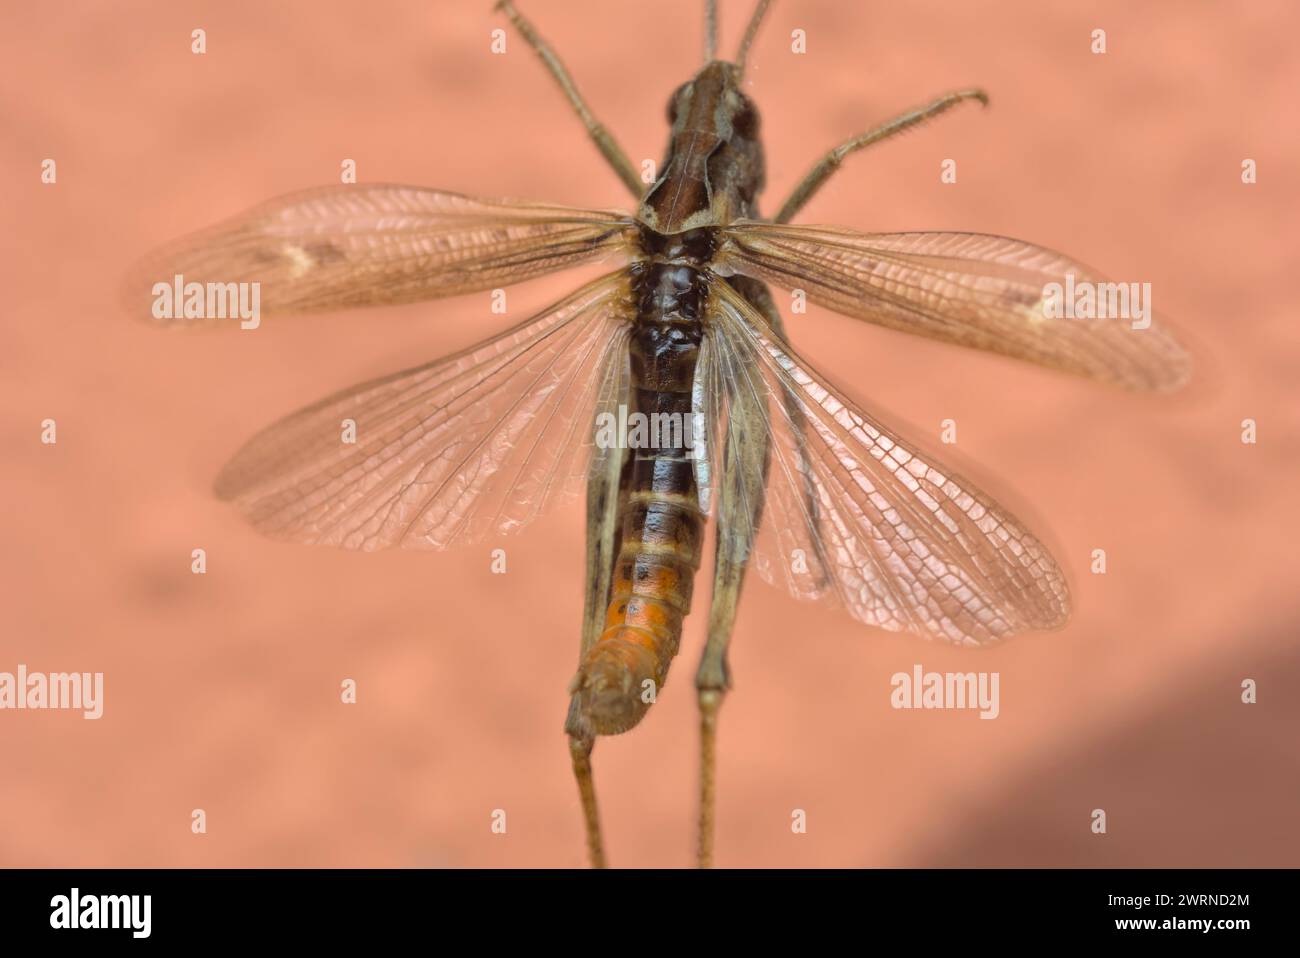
(662, 524)
(712, 175)
(684, 332)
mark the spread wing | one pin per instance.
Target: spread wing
(478, 443)
(986, 292)
(372, 244)
(858, 517)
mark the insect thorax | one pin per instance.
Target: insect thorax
(670, 293)
(714, 170)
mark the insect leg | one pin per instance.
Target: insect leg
(603, 485)
(829, 163)
(605, 142)
(580, 752)
(745, 460)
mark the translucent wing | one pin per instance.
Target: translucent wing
(370, 244)
(708, 400)
(896, 539)
(480, 442)
(986, 292)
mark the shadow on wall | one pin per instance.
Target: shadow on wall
(1199, 780)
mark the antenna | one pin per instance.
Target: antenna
(710, 30)
(750, 31)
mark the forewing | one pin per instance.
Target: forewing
(708, 408)
(858, 517)
(478, 443)
(603, 480)
(971, 289)
(372, 244)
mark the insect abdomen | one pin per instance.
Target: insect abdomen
(654, 576)
(662, 525)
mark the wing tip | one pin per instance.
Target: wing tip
(1166, 373)
(234, 479)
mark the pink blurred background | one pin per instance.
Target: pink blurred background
(222, 690)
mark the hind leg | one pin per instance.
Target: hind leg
(711, 682)
(580, 747)
(745, 458)
(829, 163)
(603, 483)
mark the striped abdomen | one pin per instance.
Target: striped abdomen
(661, 523)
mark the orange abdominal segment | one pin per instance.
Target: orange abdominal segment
(650, 595)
